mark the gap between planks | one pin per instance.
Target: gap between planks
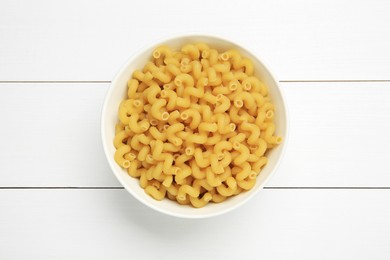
(121, 188)
(108, 81)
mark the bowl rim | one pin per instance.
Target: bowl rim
(157, 42)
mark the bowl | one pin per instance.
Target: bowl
(117, 92)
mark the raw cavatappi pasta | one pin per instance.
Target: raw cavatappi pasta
(195, 126)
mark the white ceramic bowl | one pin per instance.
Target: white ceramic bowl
(117, 92)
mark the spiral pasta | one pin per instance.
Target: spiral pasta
(196, 125)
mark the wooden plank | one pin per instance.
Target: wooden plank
(338, 135)
(301, 40)
(50, 135)
(276, 224)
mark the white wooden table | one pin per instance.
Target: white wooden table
(330, 198)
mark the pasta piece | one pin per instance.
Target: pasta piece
(171, 131)
(194, 115)
(149, 159)
(157, 194)
(223, 126)
(214, 139)
(168, 181)
(206, 113)
(171, 96)
(221, 90)
(184, 80)
(268, 134)
(151, 93)
(133, 170)
(191, 50)
(202, 46)
(158, 147)
(245, 98)
(208, 127)
(244, 171)
(226, 159)
(138, 127)
(216, 167)
(244, 153)
(220, 147)
(168, 162)
(201, 160)
(162, 51)
(223, 104)
(197, 172)
(187, 189)
(156, 134)
(202, 184)
(196, 69)
(120, 152)
(143, 77)
(182, 159)
(169, 147)
(156, 110)
(119, 138)
(217, 198)
(157, 171)
(173, 68)
(197, 138)
(253, 129)
(174, 117)
(143, 181)
(211, 178)
(143, 153)
(247, 184)
(201, 202)
(259, 164)
(157, 73)
(248, 65)
(229, 189)
(132, 85)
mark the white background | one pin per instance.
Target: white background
(330, 198)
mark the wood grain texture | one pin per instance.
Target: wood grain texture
(301, 40)
(282, 224)
(338, 135)
(50, 136)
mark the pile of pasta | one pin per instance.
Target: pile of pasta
(196, 125)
